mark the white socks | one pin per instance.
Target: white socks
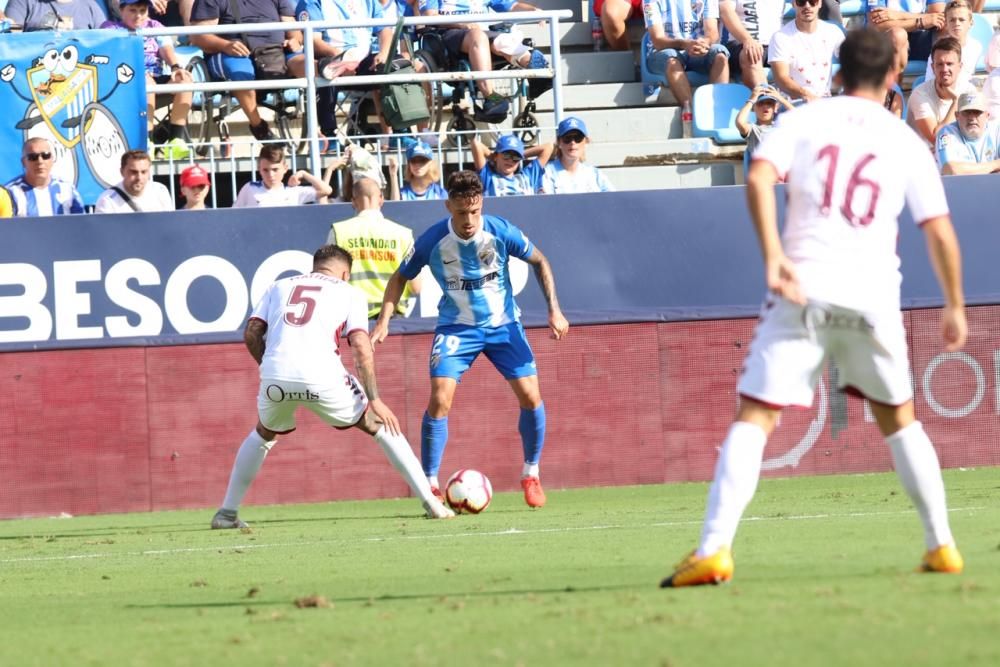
(398, 451)
(917, 465)
(736, 474)
(529, 470)
(248, 461)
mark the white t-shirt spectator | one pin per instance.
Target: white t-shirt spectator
(155, 197)
(761, 19)
(809, 55)
(254, 194)
(557, 181)
(971, 51)
(925, 103)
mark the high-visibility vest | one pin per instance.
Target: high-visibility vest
(378, 246)
(8, 207)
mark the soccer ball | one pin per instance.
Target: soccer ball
(468, 492)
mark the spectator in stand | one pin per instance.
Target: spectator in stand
(507, 171)
(970, 145)
(337, 47)
(421, 176)
(801, 54)
(684, 37)
(568, 173)
(195, 184)
(136, 193)
(378, 246)
(472, 41)
(911, 24)
(957, 24)
(32, 15)
(614, 15)
(36, 193)
(751, 26)
(933, 103)
(229, 56)
(159, 51)
(270, 190)
(764, 102)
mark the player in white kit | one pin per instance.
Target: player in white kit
(303, 318)
(850, 166)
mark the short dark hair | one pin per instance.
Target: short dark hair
(272, 153)
(464, 184)
(866, 57)
(331, 253)
(136, 154)
(947, 44)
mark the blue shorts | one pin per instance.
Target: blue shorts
(657, 60)
(456, 346)
(224, 67)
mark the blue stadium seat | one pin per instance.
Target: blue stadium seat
(982, 32)
(715, 107)
(650, 77)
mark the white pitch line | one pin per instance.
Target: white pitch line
(492, 533)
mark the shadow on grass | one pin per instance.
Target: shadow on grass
(437, 595)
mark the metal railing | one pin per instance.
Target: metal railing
(310, 82)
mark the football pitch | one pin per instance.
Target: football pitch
(824, 576)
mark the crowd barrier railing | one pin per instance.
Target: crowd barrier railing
(310, 82)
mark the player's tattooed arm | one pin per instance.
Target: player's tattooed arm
(253, 338)
(543, 273)
(547, 281)
(364, 362)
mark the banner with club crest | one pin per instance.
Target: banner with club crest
(84, 91)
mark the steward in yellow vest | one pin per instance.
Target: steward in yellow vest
(378, 246)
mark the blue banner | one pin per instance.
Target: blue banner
(84, 91)
(191, 277)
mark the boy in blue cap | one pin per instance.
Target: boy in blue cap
(505, 171)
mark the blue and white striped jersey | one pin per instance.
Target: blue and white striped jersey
(474, 274)
(57, 198)
(681, 19)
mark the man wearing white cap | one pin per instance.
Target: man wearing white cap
(970, 144)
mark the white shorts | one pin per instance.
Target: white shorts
(340, 406)
(792, 342)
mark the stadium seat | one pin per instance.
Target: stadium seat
(982, 32)
(715, 108)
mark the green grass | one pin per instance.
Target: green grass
(824, 576)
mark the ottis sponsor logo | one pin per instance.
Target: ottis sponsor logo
(60, 305)
(277, 394)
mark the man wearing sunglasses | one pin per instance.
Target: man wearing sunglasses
(801, 54)
(36, 193)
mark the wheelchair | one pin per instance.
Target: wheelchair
(461, 96)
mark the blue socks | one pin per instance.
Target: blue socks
(433, 438)
(531, 426)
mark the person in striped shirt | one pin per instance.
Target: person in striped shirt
(36, 193)
(469, 256)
